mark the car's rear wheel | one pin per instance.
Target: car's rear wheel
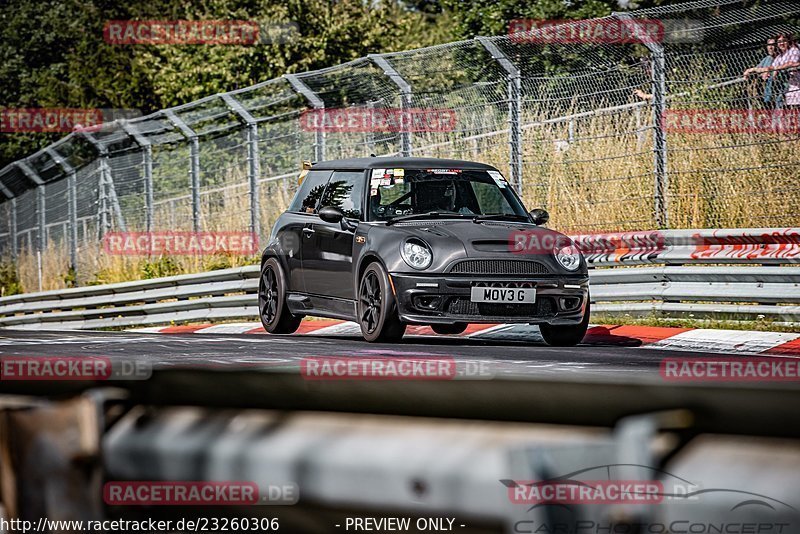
(449, 329)
(565, 336)
(274, 313)
(377, 309)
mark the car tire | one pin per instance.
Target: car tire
(272, 307)
(376, 307)
(449, 329)
(566, 336)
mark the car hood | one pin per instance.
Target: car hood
(454, 240)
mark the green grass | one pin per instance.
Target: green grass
(760, 325)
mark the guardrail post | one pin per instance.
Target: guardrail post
(514, 110)
(147, 160)
(72, 206)
(658, 83)
(405, 100)
(317, 103)
(194, 164)
(253, 163)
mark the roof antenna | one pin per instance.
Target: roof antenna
(372, 155)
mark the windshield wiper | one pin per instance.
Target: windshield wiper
(501, 217)
(429, 215)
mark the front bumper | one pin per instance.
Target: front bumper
(445, 299)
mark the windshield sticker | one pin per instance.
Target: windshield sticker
(377, 173)
(444, 171)
(399, 172)
(498, 178)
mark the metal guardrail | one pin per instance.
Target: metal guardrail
(663, 272)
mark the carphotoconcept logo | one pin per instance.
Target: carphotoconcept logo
(27, 368)
(197, 32)
(365, 120)
(180, 243)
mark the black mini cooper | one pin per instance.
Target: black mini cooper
(388, 242)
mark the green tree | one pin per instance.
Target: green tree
(52, 52)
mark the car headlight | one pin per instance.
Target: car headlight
(568, 256)
(417, 254)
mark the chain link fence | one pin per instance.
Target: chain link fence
(580, 126)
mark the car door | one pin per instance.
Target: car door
(328, 247)
(298, 217)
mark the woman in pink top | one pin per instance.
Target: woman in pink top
(787, 62)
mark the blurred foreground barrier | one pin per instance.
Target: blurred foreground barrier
(457, 449)
(745, 273)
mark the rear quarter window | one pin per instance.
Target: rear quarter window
(310, 192)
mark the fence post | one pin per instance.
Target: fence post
(108, 191)
(72, 206)
(405, 99)
(40, 202)
(371, 132)
(658, 74)
(147, 160)
(13, 229)
(148, 188)
(660, 136)
(514, 110)
(194, 164)
(317, 103)
(253, 163)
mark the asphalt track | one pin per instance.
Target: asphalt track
(617, 360)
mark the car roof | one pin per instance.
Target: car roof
(400, 162)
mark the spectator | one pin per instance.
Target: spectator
(786, 68)
(770, 99)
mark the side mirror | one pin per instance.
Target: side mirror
(330, 214)
(539, 216)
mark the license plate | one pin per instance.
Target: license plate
(507, 295)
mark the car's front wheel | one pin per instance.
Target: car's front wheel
(565, 335)
(274, 313)
(377, 310)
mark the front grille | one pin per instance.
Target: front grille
(544, 307)
(513, 267)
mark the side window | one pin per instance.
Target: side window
(310, 191)
(345, 191)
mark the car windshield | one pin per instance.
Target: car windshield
(402, 192)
